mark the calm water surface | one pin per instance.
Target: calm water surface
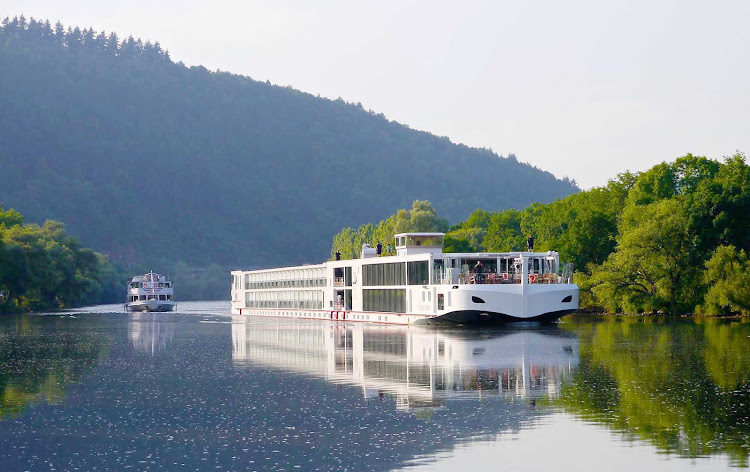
(199, 389)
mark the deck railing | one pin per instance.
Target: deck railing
(535, 277)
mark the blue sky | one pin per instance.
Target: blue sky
(584, 89)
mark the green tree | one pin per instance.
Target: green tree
(720, 207)
(343, 242)
(424, 218)
(453, 244)
(364, 235)
(649, 270)
(465, 239)
(43, 267)
(10, 218)
(727, 277)
(504, 232)
(478, 219)
(421, 218)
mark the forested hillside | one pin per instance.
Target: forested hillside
(153, 162)
(674, 239)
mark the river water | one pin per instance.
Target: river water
(97, 389)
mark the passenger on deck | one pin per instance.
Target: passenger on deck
(530, 243)
(338, 255)
(379, 249)
(478, 269)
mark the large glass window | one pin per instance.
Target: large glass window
(384, 274)
(419, 272)
(388, 300)
(427, 241)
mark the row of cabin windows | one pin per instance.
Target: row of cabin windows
(152, 285)
(284, 283)
(312, 277)
(310, 299)
(135, 298)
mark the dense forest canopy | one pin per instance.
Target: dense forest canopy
(150, 161)
(674, 239)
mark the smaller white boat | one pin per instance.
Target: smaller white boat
(150, 292)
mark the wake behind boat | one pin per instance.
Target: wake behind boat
(150, 292)
(420, 284)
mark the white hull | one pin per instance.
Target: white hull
(455, 317)
(509, 303)
(151, 305)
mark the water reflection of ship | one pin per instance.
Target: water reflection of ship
(421, 367)
(147, 334)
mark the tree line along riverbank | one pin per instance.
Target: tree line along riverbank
(42, 267)
(673, 239)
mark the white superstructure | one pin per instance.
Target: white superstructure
(419, 284)
(150, 292)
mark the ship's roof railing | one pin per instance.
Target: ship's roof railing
(150, 277)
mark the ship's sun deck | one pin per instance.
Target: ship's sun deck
(500, 268)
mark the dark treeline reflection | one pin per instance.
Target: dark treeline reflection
(683, 386)
(42, 356)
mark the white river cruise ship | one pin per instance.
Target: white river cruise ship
(150, 292)
(420, 284)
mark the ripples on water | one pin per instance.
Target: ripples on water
(199, 389)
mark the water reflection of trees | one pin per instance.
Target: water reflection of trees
(683, 386)
(41, 357)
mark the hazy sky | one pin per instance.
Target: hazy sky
(584, 89)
